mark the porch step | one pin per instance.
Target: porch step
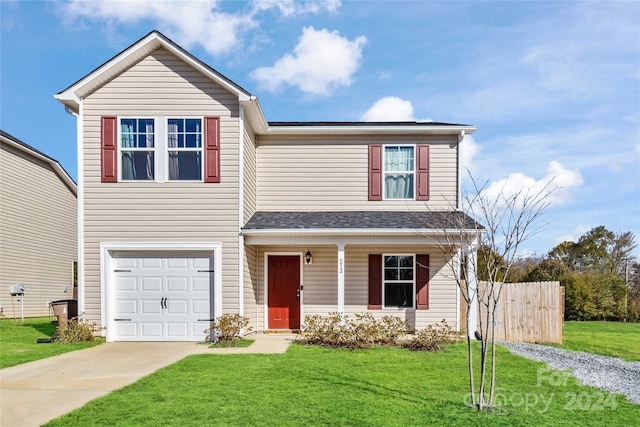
(282, 331)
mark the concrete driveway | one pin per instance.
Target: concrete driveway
(34, 393)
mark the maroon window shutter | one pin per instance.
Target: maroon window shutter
(375, 172)
(422, 162)
(375, 282)
(422, 281)
(109, 149)
(212, 149)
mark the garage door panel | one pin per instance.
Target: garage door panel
(150, 306)
(152, 329)
(165, 295)
(177, 307)
(177, 284)
(126, 307)
(126, 330)
(126, 284)
(200, 307)
(151, 263)
(201, 263)
(177, 263)
(200, 284)
(177, 329)
(125, 263)
(151, 284)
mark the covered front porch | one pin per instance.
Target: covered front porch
(384, 263)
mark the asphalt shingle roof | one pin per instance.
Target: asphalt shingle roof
(431, 220)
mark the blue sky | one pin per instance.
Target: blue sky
(553, 87)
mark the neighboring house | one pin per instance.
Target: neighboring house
(38, 228)
(192, 205)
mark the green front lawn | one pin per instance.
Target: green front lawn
(607, 338)
(18, 343)
(313, 386)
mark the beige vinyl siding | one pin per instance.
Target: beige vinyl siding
(250, 291)
(249, 182)
(161, 85)
(325, 174)
(250, 280)
(320, 280)
(38, 233)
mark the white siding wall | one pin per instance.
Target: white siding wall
(321, 289)
(38, 233)
(161, 85)
(333, 175)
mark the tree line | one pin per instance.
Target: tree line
(600, 275)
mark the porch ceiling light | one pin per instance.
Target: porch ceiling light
(308, 259)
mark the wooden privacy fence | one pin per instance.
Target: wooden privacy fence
(528, 312)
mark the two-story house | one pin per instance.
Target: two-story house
(192, 205)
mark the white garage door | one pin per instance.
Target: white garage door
(162, 296)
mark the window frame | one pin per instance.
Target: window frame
(153, 150)
(385, 172)
(160, 148)
(385, 281)
(186, 149)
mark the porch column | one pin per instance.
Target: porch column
(341, 278)
(472, 289)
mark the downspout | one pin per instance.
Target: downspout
(460, 171)
(80, 202)
(240, 211)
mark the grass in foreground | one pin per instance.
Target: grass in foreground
(607, 338)
(18, 342)
(313, 386)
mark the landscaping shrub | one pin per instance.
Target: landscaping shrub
(77, 329)
(360, 331)
(431, 337)
(227, 327)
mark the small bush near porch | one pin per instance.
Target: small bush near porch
(315, 386)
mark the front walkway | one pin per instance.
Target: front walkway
(33, 393)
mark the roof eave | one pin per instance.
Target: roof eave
(55, 165)
(389, 128)
(355, 231)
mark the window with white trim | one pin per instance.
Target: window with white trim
(399, 172)
(398, 281)
(137, 149)
(161, 149)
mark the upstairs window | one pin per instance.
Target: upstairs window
(184, 149)
(137, 149)
(399, 172)
(160, 149)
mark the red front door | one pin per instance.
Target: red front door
(283, 292)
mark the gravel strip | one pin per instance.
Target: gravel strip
(610, 374)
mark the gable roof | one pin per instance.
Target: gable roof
(72, 95)
(14, 142)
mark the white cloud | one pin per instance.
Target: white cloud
(575, 235)
(389, 109)
(469, 150)
(556, 185)
(321, 62)
(291, 8)
(190, 22)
